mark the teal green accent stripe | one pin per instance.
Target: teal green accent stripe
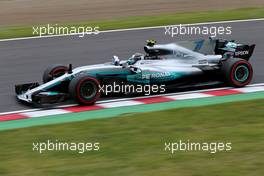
(244, 78)
(112, 112)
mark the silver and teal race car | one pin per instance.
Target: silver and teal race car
(174, 65)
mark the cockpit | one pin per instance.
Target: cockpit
(161, 52)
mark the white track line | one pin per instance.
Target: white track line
(45, 113)
(190, 96)
(120, 104)
(251, 89)
(132, 29)
(19, 111)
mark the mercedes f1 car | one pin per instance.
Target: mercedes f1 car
(184, 63)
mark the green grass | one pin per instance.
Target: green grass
(133, 144)
(144, 21)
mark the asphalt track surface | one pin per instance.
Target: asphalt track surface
(24, 61)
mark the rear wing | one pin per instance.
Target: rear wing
(242, 51)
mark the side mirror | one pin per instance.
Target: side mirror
(115, 60)
(70, 69)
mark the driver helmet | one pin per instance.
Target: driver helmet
(115, 60)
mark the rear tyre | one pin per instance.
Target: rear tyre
(85, 90)
(237, 72)
(53, 72)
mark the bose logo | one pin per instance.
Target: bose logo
(239, 53)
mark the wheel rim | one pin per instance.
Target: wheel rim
(88, 90)
(241, 73)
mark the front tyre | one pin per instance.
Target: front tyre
(84, 90)
(53, 72)
(237, 72)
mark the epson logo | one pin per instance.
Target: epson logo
(240, 53)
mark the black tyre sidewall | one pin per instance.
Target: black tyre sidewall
(48, 72)
(75, 86)
(228, 69)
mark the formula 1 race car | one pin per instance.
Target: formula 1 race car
(175, 65)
